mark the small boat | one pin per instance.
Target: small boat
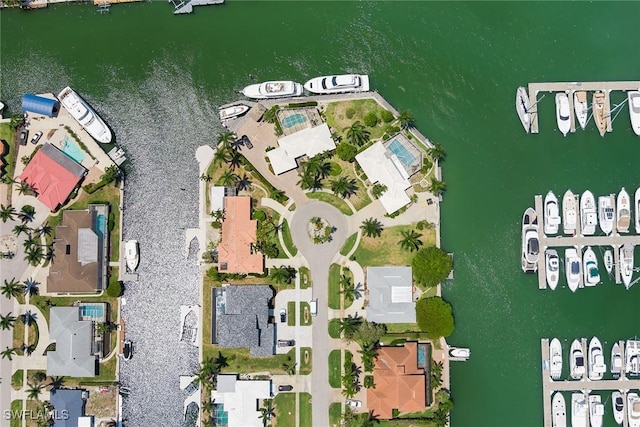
(599, 113)
(559, 410)
(459, 352)
(84, 115)
(596, 410)
(626, 264)
(632, 357)
(633, 410)
(530, 242)
(131, 255)
(273, 89)
(572, 268)
(555, 359)
(127, 349)
(616, 361)
(552, 262)
(522, 107)
(581, 107)
(591, 273)
(634, 110)
(605, 214)
(563, 113)
(569, 212)
(576, 361)
(608, 261)
(637, 208)
(551, 214)
(623, 210)
(597, 367)
(338, 84)
(579, 409)
(233, 111)
(617, 404)
(588, 214)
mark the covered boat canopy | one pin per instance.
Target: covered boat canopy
(40, 105)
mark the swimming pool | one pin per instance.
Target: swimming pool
(71, 149)
(405, 157)
(101, 224)
(94, 311)
(422, 355)
(294, 119)
(220, 416)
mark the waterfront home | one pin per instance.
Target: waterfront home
(240, 400)
(69, 408)
(308, 142)
(390, 295)
(236, 252)
(75, 353)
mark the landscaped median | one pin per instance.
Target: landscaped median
(335, 369)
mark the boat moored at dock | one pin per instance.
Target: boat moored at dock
(555, 359)
(522, 107)
(599, 113)
(338, 84)
(596, 410)
(597, 367)
(616, 361)
(636, 206)
(591, 273)
(577, 367)
(552, 262)
(623, 211)
(273, 89)
(579, 409)
(626, 264)
(131, 255)
(569, 212)
(84, 115)
(572, 268)
(608, 261)
(459, 353)
(588, 214)
(530, 242)
(634, 110)
(632, 357)
(233, 111)
(563, 113)
(617, 405)
(559, 407)
(633, 409)
(551, 214)
(606, 214)
(581, 107)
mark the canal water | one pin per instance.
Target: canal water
(157, 79)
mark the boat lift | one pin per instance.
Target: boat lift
(617, 107)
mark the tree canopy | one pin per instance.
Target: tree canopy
(431, 266)
(435, 317)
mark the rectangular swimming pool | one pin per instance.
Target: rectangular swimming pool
(94, 311)
(71, 149)
(405, 157)
(101, 224)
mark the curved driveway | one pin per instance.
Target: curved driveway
(319, 257)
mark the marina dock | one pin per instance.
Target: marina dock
(569, 88)
(585, 385)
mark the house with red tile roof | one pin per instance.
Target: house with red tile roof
(236, 251)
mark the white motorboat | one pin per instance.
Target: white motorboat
(632, 357)
(576, 361)
(273, 89)
(552, 262)
(127, 349)
(617, 404)
(616, 361)
(599, 115)
(626, 264)
(84, 115)
(637, 208)
(563, 113)
(597, 367)
(522, 107)
(634, 110)
(555, 359)
(338, 84)
(559, 410)
(608, 261)
(551, 214)
(233, 111)
(579, 409)
(460, 352)
(581, 107)
(591, 273)
(596, 410)
(530, 242)
(633, 410)
(569, 212)
(623, 211)
(572, 268)
(131, 255)
(588, 214)
(605, 214)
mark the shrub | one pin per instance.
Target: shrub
(303, 104)
(434, 316)
(371, 119)
(431, 266)
(114, 290)
(386, 116)
(350, 113)
(346, 151)
(391, 130)
(368, 382)
(335, 169)
(259, 215)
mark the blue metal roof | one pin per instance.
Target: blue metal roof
(39, 105)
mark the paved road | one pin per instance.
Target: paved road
(319, 258)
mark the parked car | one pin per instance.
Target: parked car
(24, 135)
(285, 387)
(247, 143)
(283, 315)
(36, 137)
(353, 403)
(286, 343)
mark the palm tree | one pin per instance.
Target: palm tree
(410, 240)
(6, 322)
(372, 227)
(370, 419)
(9, 180)
(270, 116)
(221, 155)
(34, 391)
(24, 187)
(344, 187)
(45, 229)
(316, 166)
(437, 152)
(28, 317)
(244, 183)
(9, 352)
(405, 119)
(282, 274)
(205, 177)
(30, 242)
(228, 178)
(357, 134)
(11, 289)
(221, 361)
(349, 289)
(437, 187)
(111, 173)
(378, 190)
(34, 255)
(310, 182)
(289, 367)
(235, 159)
(21, 228)
(349, 325)
(31, 287)
(225, 139)
(7, 212)
(105, 327)
(29, 349)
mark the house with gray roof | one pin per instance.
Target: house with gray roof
(75, 353)
(390, 295)
(241, 318)
(69, 407)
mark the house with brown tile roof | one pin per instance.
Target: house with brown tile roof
(236, 251)
(401, 377)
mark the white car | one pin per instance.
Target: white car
(353, 403)
(36, 137)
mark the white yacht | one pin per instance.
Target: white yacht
(576, 361)
(634, 110)
(530, 242)
(581, 107)
(606, 214)
(608, 261)
(633, 409)
(559, 410)
(637, 208)
(572, 268)
(599, 115)
(590, 268)
(551, 214)
(233, 111)
(552, 263)
(616, 361)
(563, 113)
(623, 210)
(617, 405)
(588, 214)
(522, 107)
(579, 409)
(626, 264)
(460, 352)
(632, 357)
(555, 359)
(597, 367)
(596, 410)
(338, 84)
(84, 115)
(131, 255)
(273, 89)
(569, 212)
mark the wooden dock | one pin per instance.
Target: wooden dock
(569, 88)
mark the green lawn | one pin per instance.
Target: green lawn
(334, 286)
(285, 404)
(335, 414)
(45, 302)
(306, 360)
(305, 277)
(16, 413)
(305, 312)
(334, 328)
(286, 237)
(337, 119)
(291, 313)
(17, 379)
(335, 370)
(384, 250)
(305, 410)
(402, 327)
(240, 360)
(348, 244)
(273, 237)
(335, 201)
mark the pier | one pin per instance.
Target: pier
(584, 385)
(569, 88)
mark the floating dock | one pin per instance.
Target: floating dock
(186, 6)
(569, 88)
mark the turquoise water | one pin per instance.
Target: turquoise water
(220, 415)
(405, 157)
(422, 356)
(294, 119)
(93, 311)
(71, 149)
(101, 224)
